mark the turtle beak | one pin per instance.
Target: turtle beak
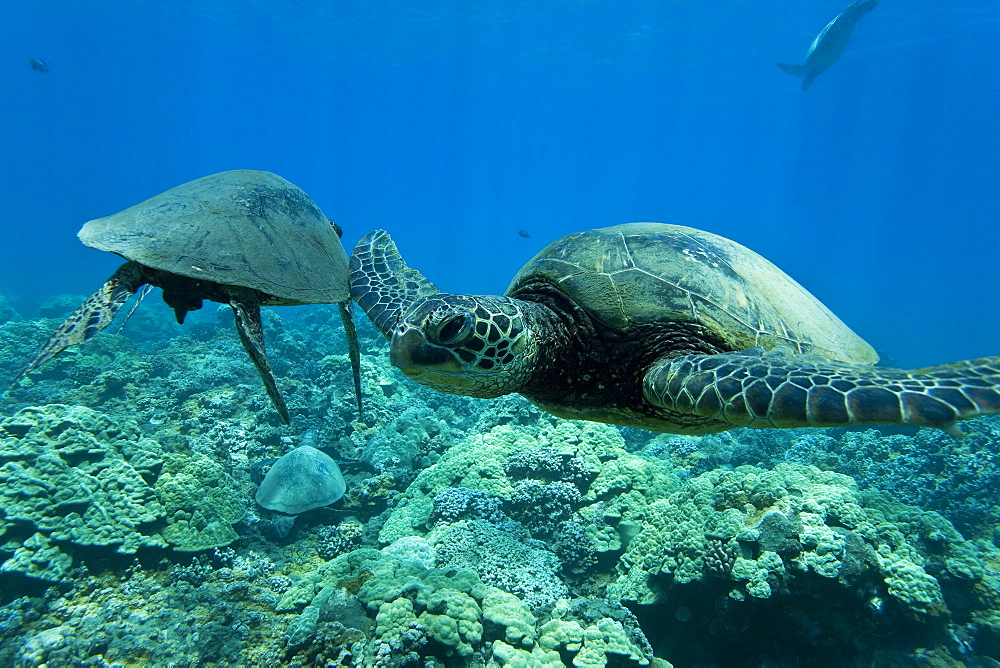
(411, 353)
(402, 346)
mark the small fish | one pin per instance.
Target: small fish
(38, 65)
(524, 233)
(829, 43)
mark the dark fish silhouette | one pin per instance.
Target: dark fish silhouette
(829, 43)
(38, 65)
(524, 233)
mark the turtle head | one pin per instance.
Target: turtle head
(459, 344)
(477, 346)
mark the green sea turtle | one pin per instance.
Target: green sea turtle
(829, 43)
(245, 238)
(659, 327)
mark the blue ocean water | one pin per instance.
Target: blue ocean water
(486, 532)
(457, 124)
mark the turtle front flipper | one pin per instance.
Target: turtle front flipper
(381, 282)
(246, 309)
(754, 388)
(91, 317)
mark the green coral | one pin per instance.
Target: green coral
(824, 548)
(71, 477)
(352, 565)
(511, 613)
(614, 501)
(445, 603)
(909, 582)
(202, 503)
(476, 463)
(795, 519)
(453, 618)
(463, 615)
(76, 476)
(590, 643)
(394, 615)
(536, 657)
(39, 557)
(331, 604)
(756, 573)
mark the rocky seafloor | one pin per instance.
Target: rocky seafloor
(472, 533)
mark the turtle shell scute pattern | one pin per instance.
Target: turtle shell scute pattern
(642, 273)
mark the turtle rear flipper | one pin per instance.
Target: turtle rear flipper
(353, 350)
(754, 388)
(381, 282)
(246, 310)
(91, 317)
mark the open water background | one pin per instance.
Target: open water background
(455, 124)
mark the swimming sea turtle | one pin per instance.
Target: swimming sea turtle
(829, 43)
(659, 327)
(245, 238)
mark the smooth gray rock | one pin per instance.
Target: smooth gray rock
(303, 479)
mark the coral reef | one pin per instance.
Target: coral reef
(574, 467)
(473, 533)
(922, 467)
(202, 503)
(452, 616)
(71, 477)
(504, 556)
(956, 478)
(214, 611)
(750, 537)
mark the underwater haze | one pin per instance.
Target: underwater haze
(489, 533)
(456, 124)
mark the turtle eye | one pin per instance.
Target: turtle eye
(454, 329)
